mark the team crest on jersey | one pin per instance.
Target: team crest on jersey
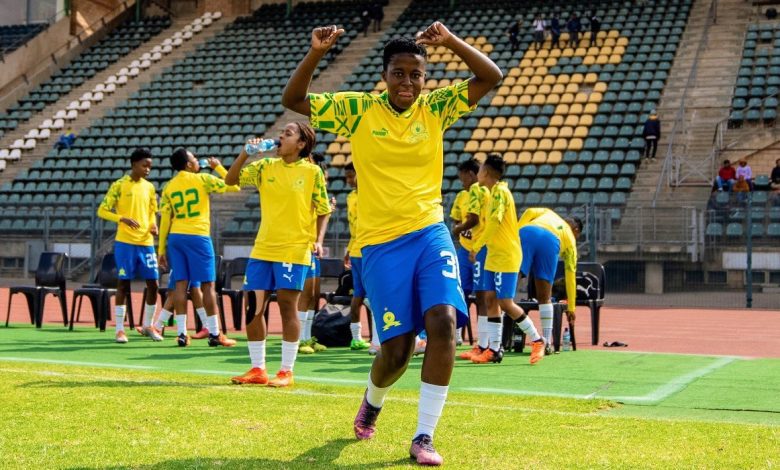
(298, 184)
(418, 133)
(122, 272)
(389, 319)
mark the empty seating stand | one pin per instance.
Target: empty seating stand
(14, 36)
(755, 99)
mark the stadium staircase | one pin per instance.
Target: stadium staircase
(110, 101)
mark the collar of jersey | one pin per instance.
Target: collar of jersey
(295, 163)
(386, 102)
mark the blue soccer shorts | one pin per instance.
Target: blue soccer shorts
(273, 275)
(358, 289)
(480, 281)
(135, 260)
(314, 270)
(172, 283)
(191, 258)
(466, 268)
(540, 252)
(504, 284)
(406, 277)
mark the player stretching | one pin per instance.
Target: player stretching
(290, 186)
(502, 263)
(545, 236)
(354, 261)
(466, 212)
(410, 269)
(189, 250)
(131, 202)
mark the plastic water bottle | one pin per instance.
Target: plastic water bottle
(566, 340)
(262, 146)
(203, 162)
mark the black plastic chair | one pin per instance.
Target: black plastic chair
(99, 293)
(234, 268)
(49, 279)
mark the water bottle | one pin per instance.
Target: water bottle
(566, 340)
(204, 163)
(262, 146)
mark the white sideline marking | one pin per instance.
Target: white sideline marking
(659, 394)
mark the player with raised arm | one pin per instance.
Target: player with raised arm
(410, 268)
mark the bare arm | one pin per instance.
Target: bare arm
(486, 73)
(322, 226)
(296, 93)
(231, 178)
(471, 221)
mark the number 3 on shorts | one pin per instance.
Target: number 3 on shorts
(452, 262)
(151, 261)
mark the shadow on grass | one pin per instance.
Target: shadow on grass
(323, 456)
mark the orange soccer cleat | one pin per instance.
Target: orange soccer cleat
(284, 378)
(475, 351)
(202, 334)
(221, 340)
(255, 376)
(488, 356)
(537, 351)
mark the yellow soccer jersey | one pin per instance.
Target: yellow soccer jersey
(136, 200)
(553, 223)
(352, 201)
(479, 202)
(500, 234)
(458, 214)
(398, 156)
(289, 192)
(185, 207)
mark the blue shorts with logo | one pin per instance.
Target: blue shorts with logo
(466, 268)
(273, 275)
(172, 283)
(540, 252)
(191, 258)
(480, 283)
(358, 289)
(406, 277)
(135, 260)
(314, 269)
(504, 284)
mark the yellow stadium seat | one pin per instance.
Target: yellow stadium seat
(524, 99)
(575, 144)
(618, 50)
(595, 97)
(531, 90)
(510, 158)
(524, 158)
(602, 35)
(471, 146)
(448, 57)
(575, 109)
(550, 80)
(581, 98)
(334, 148)
(470, 40)
(523, 81)
(509, 81)
(556, 121)
(536, 133)
(591, 108)
(478, 134)
(481, 40)
(538, 62)
(497, 100)
(550, 62)
(572, 88)
(580, 132)
(480, 156)
(558, 89)
(541, 71)
(609, 42)
(586, 120)
(501, 145)
(434, 58)
(606, 49)
(346, 147)
(513, 122)
(600, 87)
(339, 160)
(622, 41)
(516, 90)
(565, 132)
(451, 66)
(560, 143)
(499, 122)
(341, 139)
(536, 80)
(486, 146)
(493, 133)
(577, 78)
(567, 98)
(463, 67)
(487, 48)
(507, 133)
(380, 86)
(527, 72)
(553, 98)
(580, 51)
(555, 53)
(543, 53)
(554, 157)
(572, 120)
(444, 82)
(516, 145)
(526, 61)
(539, 157)
(562, 109)
(514, 72)
(563, 79)
(567, 52)
(593, 51)
(545, 144)
(510, 100)
(613, 33)
(588, 60)
(602, 59)
(615, 59)
(538, 99)
(544, 89)
(530, 145)
(551, 132)
(522, 133)
(485, 123)
(591, 78)
(503, 90)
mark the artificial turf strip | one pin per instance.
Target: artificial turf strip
(81, 417)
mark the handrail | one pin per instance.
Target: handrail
(65, 45)
(666, 169)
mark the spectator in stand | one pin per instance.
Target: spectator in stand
(741, 188)
(574, 27)
(746, 172)
(377, 15)
(514, 35)
(595, 27)
(727, 176)
(66, 140)
(774, 178)
(555, 31)
(651, 134)
(538, 27)
(365, 20)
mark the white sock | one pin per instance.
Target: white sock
(529, 329)
(374, 334)
(213, 325)
(149, 314)
(302, 316)
(355, 329)
(162, 319)
(181, 324)
(289, 353)
(482, 332)
(202, 316)
(432, 398)
(119, 316)
(546, 313)
(375, 396)
(495, 329)
(309, 323)
(257, 353)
